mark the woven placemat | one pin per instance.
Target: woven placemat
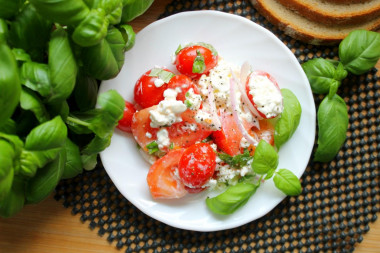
(339, 201)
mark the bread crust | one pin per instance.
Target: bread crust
(347, 1)
(356, 14)
(294, 24)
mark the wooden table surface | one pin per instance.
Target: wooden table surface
(49, 227)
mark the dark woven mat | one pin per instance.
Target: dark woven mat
(339, 201)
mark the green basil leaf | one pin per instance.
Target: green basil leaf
(239, 160)
(46, 179)
(340, 72)
(62, 66)
(22, 33)
(134, 8)
(203, 44)
(3, 30)
(7, 155)
(64, 12)
(92, 29)
(36, 76)
(321, 74)
(42, 145)
(199, 63)
(161, 74)
(113, 9)
(105, 60)
(152, 147)
(289, 119)
(10, 85)
(265, 158)
(89, 161)
(73, 166)
(360, 51)
(10, 8)
(85, 92)
(30, 101)
(14, 200)
(233, 198)
(129, 36)
(9, 127)
(20, 55)
(287, 182)
(332, 128)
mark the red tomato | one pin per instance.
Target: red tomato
(228, 138)
(146, 94)
(126, 122)
(161, 179)
(180, 133)
(197, 165)
(183, 82)
(186, 56)
(260, 73)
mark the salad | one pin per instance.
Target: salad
(211, 125)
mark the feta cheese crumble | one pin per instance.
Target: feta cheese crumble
(266, 95)
(163, 138)
(158, 82)
(194, 100)
(168, 111)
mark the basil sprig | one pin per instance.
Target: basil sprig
(358, 53)
(264, 163)
(199, 63)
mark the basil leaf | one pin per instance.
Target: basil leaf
(9, 8)
(4, 31)
(161, 74)
(340, 72)
(289, 119)
(20, 55)
(22, 33)
(30, 101)
(89, 161)
(46, 179)
(360, 51)
(265, 158)
(332, 127)
(239, 160)
(14, 200)
(203, 44)
(129, 36)
(113, 10)
(321, 74)
(42, 145)
(199, 63)
(92, 29)
(7, 155)
(85, 92)
(62, 66)
(152, 147)
(134, 8)
(287, 182)
(73, 164)
(36, 76)
(233, 198)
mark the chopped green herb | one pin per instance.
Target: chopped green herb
(171, 145)
(199, 63)
(239, 160)
(178, 49)
(188, 103)
(152, 147)
(162, 74)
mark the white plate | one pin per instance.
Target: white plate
(237, 39)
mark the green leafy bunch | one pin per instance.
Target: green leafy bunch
(52, 121)
(358, 53)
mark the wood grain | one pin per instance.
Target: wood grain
(49, 227)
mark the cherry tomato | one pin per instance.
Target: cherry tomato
(146, 93)
(181, 134)
(260, 73)
(197, 165)
(126, 122)
(186, 56)
(184, 83)
(229, 137)
(161, 177)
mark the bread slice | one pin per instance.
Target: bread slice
(334, 13)
(303, 29)
(346, 1)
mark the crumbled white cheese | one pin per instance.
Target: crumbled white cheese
(168, 111)
(195, 100)
(244, 143)
(163, 138)
(266, 95)
(158, 82)
(203, 117)
(148, 135)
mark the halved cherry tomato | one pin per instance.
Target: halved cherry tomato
(161, 177)
(197, 165)
(126, 122)
(186, 56)
(184, 83)
(146, 93)
(229, 137)
(250, 97)
(181, 134)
